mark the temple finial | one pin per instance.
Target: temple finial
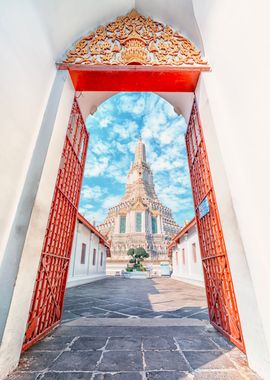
(140, 153)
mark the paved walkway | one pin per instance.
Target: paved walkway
(122, 329)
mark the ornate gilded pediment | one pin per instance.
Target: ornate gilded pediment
(138, 205)
(135, 39)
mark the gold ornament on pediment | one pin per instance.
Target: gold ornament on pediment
(123, 211)
(135, 39)
(138, 205)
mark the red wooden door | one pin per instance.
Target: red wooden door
(221, 299)
(47, 302)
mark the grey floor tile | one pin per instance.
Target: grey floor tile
(88, 343)
(124, 344)
(52, 343)
(159, 343)
(67, 376)
(196, 343)
(208, 360)
(135, 311)
(114, 307)
(222, 342)
(165, 360)
(113, 314)
(119, 376)
(77, 361)
(37, 361)
(168, 375)
(115, 361)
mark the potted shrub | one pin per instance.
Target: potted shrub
(135, 263)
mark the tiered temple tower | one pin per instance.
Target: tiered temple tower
(140, 219)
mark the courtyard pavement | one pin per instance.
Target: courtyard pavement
(123, 329)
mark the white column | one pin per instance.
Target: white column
(90, 253)
(254, 320)
(128, 227)
(143, 221)
(117, 225)
(74, 252)
(38, 193)
(159, 226)
(132, 221)
(189, 256)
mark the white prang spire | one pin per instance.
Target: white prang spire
(140, 177)
(140, 153)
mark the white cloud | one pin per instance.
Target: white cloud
(126, 130)
(132, 104)
(95, 166)
(168, 109)
(85, 208)
(92, 192)
(118, 171)
(96, 216)
(104, 122)
(123, 148)
(111, 201)
(98, 147)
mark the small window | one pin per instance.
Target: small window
(101, 259)
(138, 222)
(122, 224)
(183, 256)
(176, 258)
(94, 256)
(83, 253)
(194, 254)
(154, 225)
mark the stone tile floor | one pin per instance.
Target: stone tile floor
(122, 329)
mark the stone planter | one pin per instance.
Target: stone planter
(136, 275)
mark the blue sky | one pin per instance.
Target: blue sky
(114, 130)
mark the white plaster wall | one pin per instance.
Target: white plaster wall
(85, 273)
(28, 72)
(190, 272)
(10, 348)
(234, 98)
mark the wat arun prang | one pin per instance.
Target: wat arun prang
(140, 219)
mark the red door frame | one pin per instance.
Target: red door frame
(222, 305)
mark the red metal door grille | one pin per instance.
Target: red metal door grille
(47, 302)
(222, 306)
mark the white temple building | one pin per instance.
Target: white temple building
(140, 219)
(89, 254)
(186, 255)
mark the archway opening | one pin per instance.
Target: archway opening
(180, 75)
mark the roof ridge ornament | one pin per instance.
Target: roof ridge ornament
(135, 39)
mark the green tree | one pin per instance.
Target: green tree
(138, 256)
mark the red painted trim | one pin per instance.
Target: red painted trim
(90, 226)
(134, 78)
